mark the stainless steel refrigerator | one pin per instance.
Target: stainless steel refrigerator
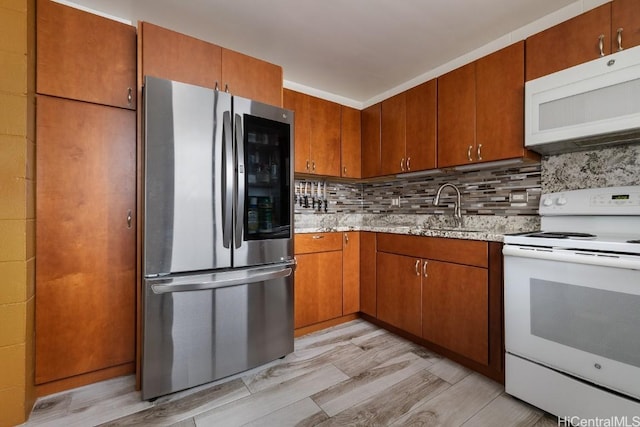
(218, 235)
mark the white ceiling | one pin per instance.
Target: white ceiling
(353, 51)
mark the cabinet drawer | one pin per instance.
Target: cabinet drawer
(460, 251)
(317, 242)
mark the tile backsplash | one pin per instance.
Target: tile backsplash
(484, 192)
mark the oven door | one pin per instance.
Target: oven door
(575, 312)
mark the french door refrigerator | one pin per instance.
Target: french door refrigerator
(217, 236)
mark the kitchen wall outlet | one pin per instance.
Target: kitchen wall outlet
(395, 201)
(519, 197)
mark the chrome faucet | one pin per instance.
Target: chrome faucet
(456, 207)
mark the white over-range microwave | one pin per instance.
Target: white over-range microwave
(590, 105)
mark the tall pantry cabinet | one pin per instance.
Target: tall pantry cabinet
(85, 198)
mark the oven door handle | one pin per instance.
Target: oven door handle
(562, 255)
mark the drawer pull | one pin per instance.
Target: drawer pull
(317, 236)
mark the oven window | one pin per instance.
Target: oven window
(601, 322)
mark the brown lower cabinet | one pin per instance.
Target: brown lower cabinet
(399, 291)
(86, 264)
(318, 289)
(455, 308)
(327, 279)
(443, 293)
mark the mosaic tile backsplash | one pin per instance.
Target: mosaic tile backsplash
(483, 192)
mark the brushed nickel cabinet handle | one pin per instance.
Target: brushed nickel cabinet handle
(601, 44)
(129, 218)
(129, 96)
(313, 166)
(317, 236)
(402, 164)
(346, 239)
(307, 167)
(479, 152)
(226, 87)
(408, 163)
(216, 87)
(417, 267)
(344, 170)
(424, 269)
(469, 153)
(620, 39)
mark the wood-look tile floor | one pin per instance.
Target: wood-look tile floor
(353, 374)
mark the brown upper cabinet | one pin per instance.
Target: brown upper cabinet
(393, 135)
(370, 117)
(317, 134)
(625, 24)
(588, 36)
(350, 143)
(165, 53)
(480, 110)
(422, 125)
(74, 61)
(251, 78)
(409, 123)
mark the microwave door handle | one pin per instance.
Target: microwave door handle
(227, 179)
(239, 151)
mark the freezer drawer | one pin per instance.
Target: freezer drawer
(201, 328)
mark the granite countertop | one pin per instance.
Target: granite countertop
(480, 227)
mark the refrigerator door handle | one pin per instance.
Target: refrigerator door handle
(221, 280)
(239, 141)
(227, 179)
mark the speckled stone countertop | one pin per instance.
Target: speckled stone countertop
(474, 227)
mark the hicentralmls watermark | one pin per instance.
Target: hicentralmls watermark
(574, 421)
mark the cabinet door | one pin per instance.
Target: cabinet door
(392, 141)
(500, 104)
(368, 273)
(399, 291)
(351, 273)
(251, 78)
(299, 104)
(325, 137)
(569, 43)
(318, 293)
(625, 15)
(456, 116)
(422, 123)
(85, 57)
(371, 141)
(165, 53)
(86, 263)
(350, 143)
(455, 309)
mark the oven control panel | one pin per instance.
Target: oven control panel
(593, 201)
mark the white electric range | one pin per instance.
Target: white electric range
(572, 306)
